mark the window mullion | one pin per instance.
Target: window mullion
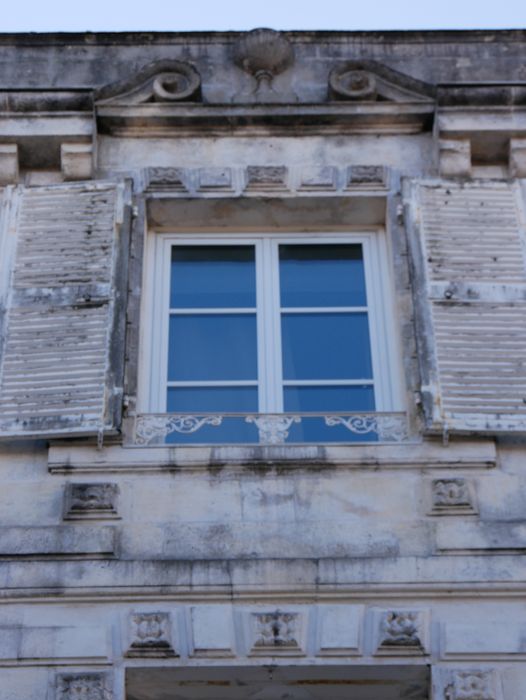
(274, 328)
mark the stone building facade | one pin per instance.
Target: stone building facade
(262, 366)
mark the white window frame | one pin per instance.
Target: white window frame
(153, 360)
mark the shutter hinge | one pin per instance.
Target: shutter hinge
(400, 214)
(135, 211)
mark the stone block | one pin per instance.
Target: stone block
(90, 542)
(76, 161)
(339, 630)
(461, 536)
(212, 630)
(8, 163)
(487, 639)
(454, 157)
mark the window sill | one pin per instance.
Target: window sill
(67, 457)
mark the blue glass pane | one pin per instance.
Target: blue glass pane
(215, 400)
(224, 399)
(212, 346)
(330, 399)
(326, 346)
(213, 277)
(322, 275)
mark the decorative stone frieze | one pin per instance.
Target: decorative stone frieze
(276, 633)
(366, 176)
(83, 686)
(90, 501)
(401, 632)
(454, 157)
(8, 163)
(264, 54)
(451, 497)
(165, 179)
(263, 178)
(472, 685)
(150, 635)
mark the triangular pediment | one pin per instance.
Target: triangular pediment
(369, 81)
(165, 81)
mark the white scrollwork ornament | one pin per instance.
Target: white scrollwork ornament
(149, 427)
(388, 428)
(273, 429)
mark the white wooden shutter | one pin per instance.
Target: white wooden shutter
(63, 317)
(468, 251)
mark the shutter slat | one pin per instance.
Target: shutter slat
(55, 372)
(468, 250)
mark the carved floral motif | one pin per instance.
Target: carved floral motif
(277, 629)
(400, 629)
(91, 500)
(85, 686)
(472, 685)
(150, 633)
(451, 492)
(266, 177)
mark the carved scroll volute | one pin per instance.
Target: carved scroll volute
(349, 83)
(177, 86)
(263, 53)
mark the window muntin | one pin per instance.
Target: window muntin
(296, 318)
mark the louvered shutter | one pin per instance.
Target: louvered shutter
(467, 245)
(61, 363)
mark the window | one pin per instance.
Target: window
(272, 323)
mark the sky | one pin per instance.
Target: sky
(220, 15)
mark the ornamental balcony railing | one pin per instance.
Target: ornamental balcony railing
(158, 429)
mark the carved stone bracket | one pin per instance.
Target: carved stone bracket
(276, 633)
(401, 632)
(83, 686)
(90, 501)
(150, 635)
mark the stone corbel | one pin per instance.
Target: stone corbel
(454, 157)
(517, 157)
(76, 161)
(8, 163)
